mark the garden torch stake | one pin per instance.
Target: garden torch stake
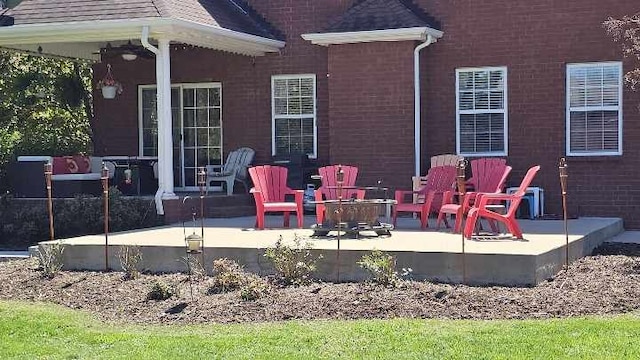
(202, 180)
(48, 171)
(460, 180)
(105, 191)
(339, 180)
(563, 184)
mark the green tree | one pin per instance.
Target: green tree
(626, 31)
(45, 106)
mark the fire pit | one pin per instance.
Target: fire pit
(357, 215)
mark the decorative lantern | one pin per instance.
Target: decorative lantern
(194, 243)
(460, 176)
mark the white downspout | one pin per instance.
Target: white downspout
(416, 102)
(144, 40)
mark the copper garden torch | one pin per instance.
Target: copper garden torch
(48, 171)
(461, 168)
(564, 175)
(104, 177)
(202, 182)
(340, 181)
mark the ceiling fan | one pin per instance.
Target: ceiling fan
(128, 51)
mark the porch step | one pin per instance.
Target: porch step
(215, 206)
(230, 211)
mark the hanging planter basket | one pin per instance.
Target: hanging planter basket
(109, 86)
(109, 92)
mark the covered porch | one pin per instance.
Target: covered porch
(110, 31)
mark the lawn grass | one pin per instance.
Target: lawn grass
(29, 331)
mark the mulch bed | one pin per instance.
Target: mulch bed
(606, 283)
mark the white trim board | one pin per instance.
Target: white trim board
(403, 34)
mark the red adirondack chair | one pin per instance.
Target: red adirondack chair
(270, 187)
(509, 219)
(490, 176)
(439, 180)
(485, 172)
(328, 190)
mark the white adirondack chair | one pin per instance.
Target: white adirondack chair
(234, 169)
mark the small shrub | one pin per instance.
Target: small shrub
(228, 275)
(50, 257)
(382, 267)
(293, 264)
(254, 288)
(130, 259)
(161, 291)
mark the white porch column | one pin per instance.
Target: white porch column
(165, 131)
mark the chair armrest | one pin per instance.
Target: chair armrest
(484, 198)
(214, 169)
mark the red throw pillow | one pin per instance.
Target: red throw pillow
(60, 165)
(71, 164)
(83, 164)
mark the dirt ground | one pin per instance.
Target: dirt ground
(606, 283)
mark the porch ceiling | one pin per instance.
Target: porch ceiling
(83, 39)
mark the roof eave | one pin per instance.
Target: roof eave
(353, 37)
(111, 30)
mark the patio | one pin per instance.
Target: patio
(432, 255)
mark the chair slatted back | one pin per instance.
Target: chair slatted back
(488, 174)
(238, 161)
(522, 189)
(271, 181)
(445, 160)
(439, 179)
(328, 178)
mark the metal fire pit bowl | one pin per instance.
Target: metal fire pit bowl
(357, 215)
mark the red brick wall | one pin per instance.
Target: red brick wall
(535, 40)
(371, 110)
(370, 84)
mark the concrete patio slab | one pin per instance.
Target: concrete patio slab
(432, 255)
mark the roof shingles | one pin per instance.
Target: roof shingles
(369, 15)
(228, 14)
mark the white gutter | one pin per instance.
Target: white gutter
(144, 40)
(416, 101)
(125, 29)
(353, 37)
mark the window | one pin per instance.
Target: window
(594, 109)
(481, 111)
(293, 105)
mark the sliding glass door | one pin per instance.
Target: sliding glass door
(197, 129)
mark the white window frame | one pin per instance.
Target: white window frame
(617, 108)
(315, 111)
(504, 111)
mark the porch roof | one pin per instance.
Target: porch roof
(78, 28)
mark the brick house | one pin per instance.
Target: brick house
(336, 79)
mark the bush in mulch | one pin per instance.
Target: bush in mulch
(594, 285)
(294, 263)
